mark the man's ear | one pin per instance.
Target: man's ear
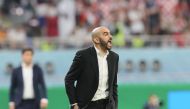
(96, 40)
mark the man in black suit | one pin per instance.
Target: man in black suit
(91, 82)
(27, 90)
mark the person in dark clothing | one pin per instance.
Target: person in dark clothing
(28, 89)
(94, 70)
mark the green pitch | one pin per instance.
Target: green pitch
(130, 96)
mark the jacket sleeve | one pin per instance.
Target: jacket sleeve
(13, 86)
(42, 84)
(72, 76)
(115, 86)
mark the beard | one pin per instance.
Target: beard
(106, 44)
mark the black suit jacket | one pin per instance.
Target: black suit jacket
(84, 71)
(17, 86)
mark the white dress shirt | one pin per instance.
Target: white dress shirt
(101, 92)
(27, 73)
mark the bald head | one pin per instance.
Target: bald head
(97, 31)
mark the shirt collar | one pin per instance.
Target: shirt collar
(99, 53)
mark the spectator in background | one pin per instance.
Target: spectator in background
(153, 102)
(66, 17)
(47, 45)
(52, 29)
(136, 15)
(4, 20)
(93, 15)
(6, 6)
(153, 17)
(179, 22)
(33, 28)
(3, 36)
(41, 12)
(16, 37)
(119, 36)
(167, 13)
(80, 14)
(137, 42)
(78, 34)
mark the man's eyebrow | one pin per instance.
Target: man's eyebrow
(105, 32)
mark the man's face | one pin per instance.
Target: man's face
(105, 39)
(27, 57)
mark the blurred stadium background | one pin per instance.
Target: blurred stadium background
(152, 38)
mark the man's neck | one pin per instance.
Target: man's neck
(27, 64)
(102, 50)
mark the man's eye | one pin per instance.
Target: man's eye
(105, 33)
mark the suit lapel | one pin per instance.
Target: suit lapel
(21, 79)
(94, 62)
(110, 66)
(34, 75)
(21, 75)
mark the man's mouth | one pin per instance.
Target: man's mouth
(109, 43)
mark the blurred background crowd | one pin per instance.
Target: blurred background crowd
(58, 24)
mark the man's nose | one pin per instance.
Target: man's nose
(110, 37)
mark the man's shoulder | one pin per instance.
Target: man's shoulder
(36, 66)
(114, 53)
(84, 50)
(16, 70)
